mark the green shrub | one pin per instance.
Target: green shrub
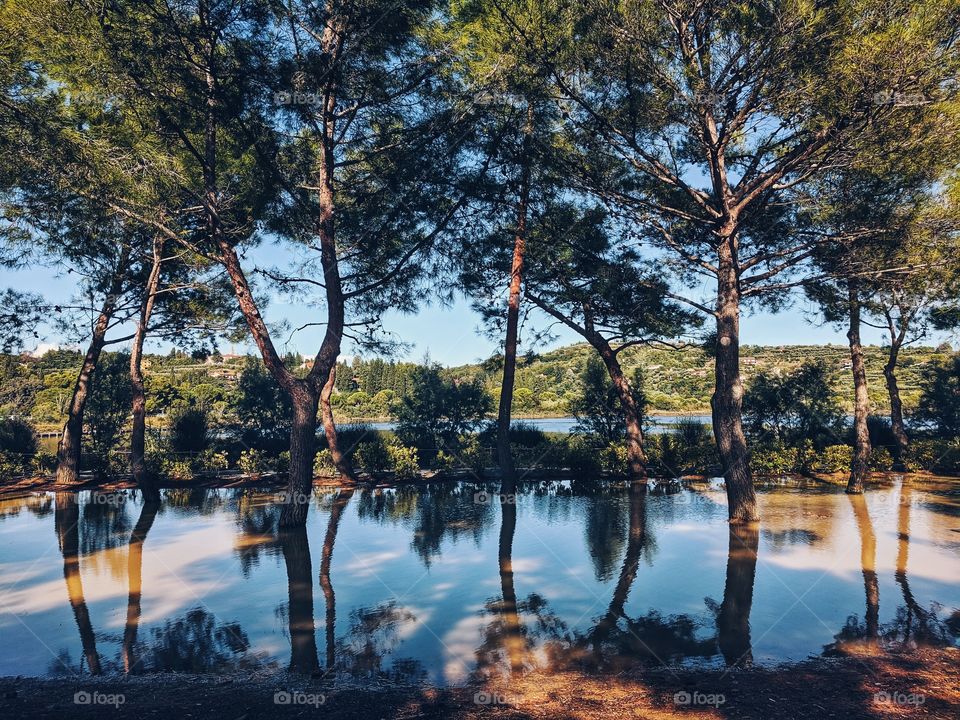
(372, 456)
(254, 462)
(17, 437)
(581, 457)
(833, 458)
(936, 456)
(773, 460)
(212, 460)
(880, 459)
(403, 461)
(323, 464)
(613, 459)
(188, 430)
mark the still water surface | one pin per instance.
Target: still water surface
(436, 584)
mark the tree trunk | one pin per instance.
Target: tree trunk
(504, 455)
(139, 404)
(341, 460)
(135, 581)
(868, 562)
(632, 412)
(859, 467)
(727, 400)
(303, 439)
(69, 446)
(303, 640)
(326, 559)
(896, 408)
(67, 522)
(733, 621)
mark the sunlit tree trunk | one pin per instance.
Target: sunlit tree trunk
(727, 400)
(504, 454)
(733, 621)
(67, 522)
(859, 467)
(135, 580)
(139, 403)
(341, 459)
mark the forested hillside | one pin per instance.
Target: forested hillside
(674, 380)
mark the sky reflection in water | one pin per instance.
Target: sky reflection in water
(427, 584)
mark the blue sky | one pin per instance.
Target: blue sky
(449, 335)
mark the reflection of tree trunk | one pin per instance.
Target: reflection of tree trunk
(861, 405)
(727, 400)
(513, 314)
(303, 640)
(135, 578)
(903, 548)
(69, 446)
(67, 522)
(513, 636)
(636, 542)
(733, 621)
(330, 599)
(868, 561)
(139, 402)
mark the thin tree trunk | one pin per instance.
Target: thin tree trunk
(326, 559)
(632, 413)
(868, 562)
(67, 522)
(896, 406)
(139, 403)
(727, 400)
(138, 536)
(303, 640)
(733, 621)
(69, 446)
(504, 454)
(341, 460)
(859, 467)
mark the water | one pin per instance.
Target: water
(655, 424)
(439, 585)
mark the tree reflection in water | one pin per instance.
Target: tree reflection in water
(733, 620)
(138, 537)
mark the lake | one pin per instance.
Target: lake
(444, 584)
(654, 424)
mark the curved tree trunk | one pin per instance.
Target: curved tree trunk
(733, 621)
(303, 640)
(67, 522)
(326, 559)
(138, 536)
(139, 403)
(727, 400)
(504, 455)
(632, 412)
(69, 446)
(896, 408)
(859, 467)
(341, 459)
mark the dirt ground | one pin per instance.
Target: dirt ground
(923, 684)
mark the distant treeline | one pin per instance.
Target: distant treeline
(674, 380)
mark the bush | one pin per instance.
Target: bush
(254, 462)
(939, 404)
(691, 432)
(17, 437)
(188, 430)
(936, 456)
(582, 458)
(522, 434)
(880, 459)
(773, 460)
(372, 456)
(403, 461)
(833, 458)
(323, 464)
